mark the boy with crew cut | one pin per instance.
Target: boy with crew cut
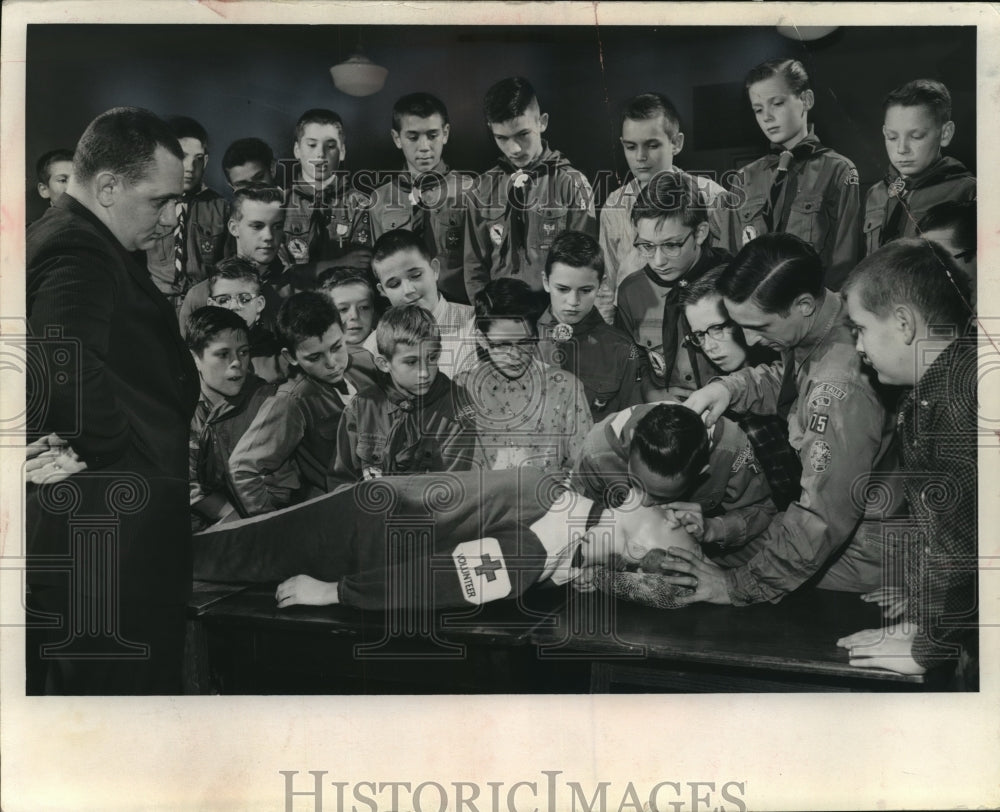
(908, 306)
(180, 260)
(53, 170)
(651, 136)
(520, 206)
(326, 218)
(248, 161)
(427, 197)
(353, 294)
(573, 336)
(256, 224)
(299, 422)
(411, 421)
(917, 127)
(407, 274)
(231, 394)
(662, 453)
(671, 226)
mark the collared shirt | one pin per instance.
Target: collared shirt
(822, 200)
(326, 223)
(559, 201)
(539, 419)
(937, 426)
(392, 207)
(618, 234)
(458, 343)
(604, 358)
(734, 495)
(838, 426)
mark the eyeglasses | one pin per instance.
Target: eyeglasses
(716, 332)
(525, 345)
(225, 299)
(670, 249)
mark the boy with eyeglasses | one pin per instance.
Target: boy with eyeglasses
(671, 223)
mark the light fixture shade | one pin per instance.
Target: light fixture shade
(358, 76)
(806, 33)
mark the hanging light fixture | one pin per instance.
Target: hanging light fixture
(358, 75)
(806, 33)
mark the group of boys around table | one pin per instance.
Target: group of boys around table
(705, 355)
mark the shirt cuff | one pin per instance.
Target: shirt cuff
(561, 538)
(742, 588)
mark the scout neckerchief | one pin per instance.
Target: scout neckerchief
(403, 441)
(321, 201)
(899, 188)
(180, 244)
(782, 194)
(423, 224)
(520, 184)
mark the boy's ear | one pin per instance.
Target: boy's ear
(381, 363)
(543, 122)
(396, 139)
(677, 142)
(233, 227)
(289, 358)
(445, 132)
(545, 282)
(906, 322)
(808, 99)
(701, 233)
(107, 185)
(947, 133)
(296, 152)
(436, 268)
(43, 190)
(381, 290)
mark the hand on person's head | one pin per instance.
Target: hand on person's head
(709, 402)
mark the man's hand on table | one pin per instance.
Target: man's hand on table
(890, 648)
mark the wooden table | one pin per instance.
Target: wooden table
(552, 641)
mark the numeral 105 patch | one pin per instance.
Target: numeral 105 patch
(817, 422)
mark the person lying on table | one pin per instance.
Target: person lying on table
(446, 539)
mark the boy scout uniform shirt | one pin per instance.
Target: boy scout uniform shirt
(326, 223)
(895, 205)
(646, 303)
(505, 239)
(399, 203)
(384, 431)
(618, 235)
(734, 496)
(605, 360)
(458, 343)
(819, 202)
(838, 426)
(483, 536)
(539, 419)
(299, 422)
(205, 238)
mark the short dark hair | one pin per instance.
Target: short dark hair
(578, 250)
(205, 323)
(774, 269)
(333, 278)
(244, 150)
(399, 239)
(957, 215)
(927, 93)
(671, 440)
(652, 105)
(916, 272)
(185, 127)
(123, 140)
(704, 286)
(671, 194)
(234, 268)
(404, 324)
(791, 70)
(317, 115)
(507, 298)
(303, 316)
(43, 167)
(507, 99)
(421, 105)
(257, 192)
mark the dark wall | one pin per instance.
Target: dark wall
(256, 80)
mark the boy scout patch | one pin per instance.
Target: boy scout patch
(822, 392)
(817, 422)
(496, 234)
(656, 362)
(549, 228)
(453, 238)
(482, 572)
(745, 458)
(370, 472)
(819, 456)
(298, 249)
(852, 177)
(749, 233)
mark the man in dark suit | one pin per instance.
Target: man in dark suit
(109, 547)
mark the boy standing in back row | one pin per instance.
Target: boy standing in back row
(521, 205)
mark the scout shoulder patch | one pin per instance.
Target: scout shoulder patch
(818, 422)
(823, 394)
(819, 456)
(482, 571)
(745, 458)
(852, 177)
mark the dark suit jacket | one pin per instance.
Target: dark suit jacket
(124, 401)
